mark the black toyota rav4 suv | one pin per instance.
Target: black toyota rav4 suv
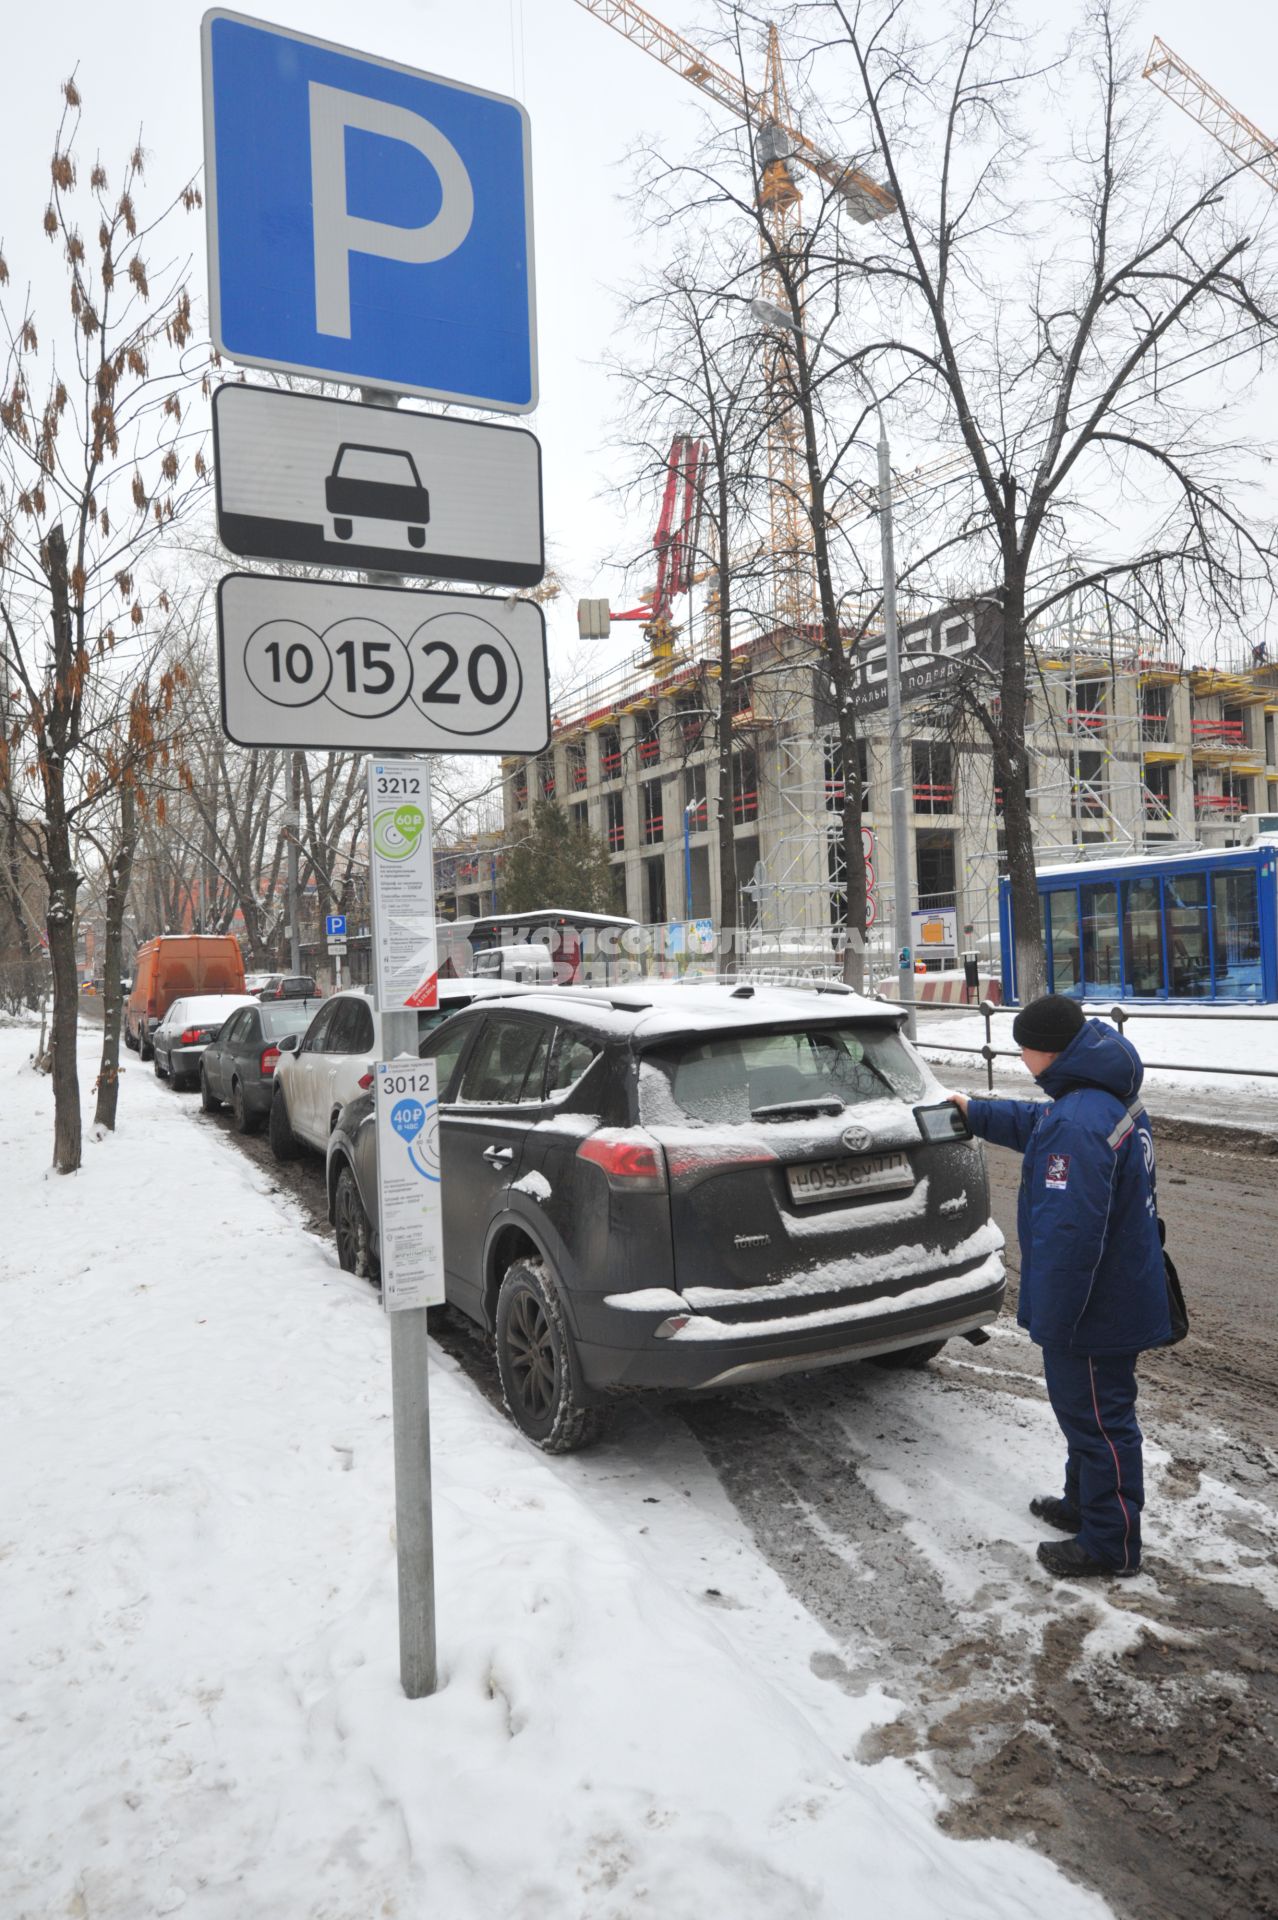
(688, 1186)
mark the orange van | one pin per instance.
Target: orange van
(173, 965)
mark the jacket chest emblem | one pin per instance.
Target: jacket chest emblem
(1057, 1170)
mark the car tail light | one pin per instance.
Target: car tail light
(716, 1157)
(190, 1036)
(266, 1061)
(632, 1163)
(364, 1082)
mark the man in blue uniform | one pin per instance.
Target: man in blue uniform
(1093, 1291)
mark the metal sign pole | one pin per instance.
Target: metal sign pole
(409, 1344)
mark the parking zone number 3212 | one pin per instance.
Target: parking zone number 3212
(458, 667)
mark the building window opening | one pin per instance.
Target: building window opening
(745, 786)
(1089, 711)
(933, 776)
(610, 754)
(615, 821)
(655, 885)
(647, 739)
(935, 869)
(653, 820)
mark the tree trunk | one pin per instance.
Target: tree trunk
(832, 640)
(119, 875)
(63, 879)
(1012, 766)
(12, 887)
(726, 822)
(66, 1016)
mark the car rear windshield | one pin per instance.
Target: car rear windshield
(736, 1078)
(286, 1016)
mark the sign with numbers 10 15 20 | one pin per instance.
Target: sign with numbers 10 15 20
(330, 665)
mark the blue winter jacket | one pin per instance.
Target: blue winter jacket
(1092, 1274)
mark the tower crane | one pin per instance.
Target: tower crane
(779, 148)
(1177, 79)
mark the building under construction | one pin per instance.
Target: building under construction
(1129, 750)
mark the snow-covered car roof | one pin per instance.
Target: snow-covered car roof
(656, 1010)
(203, 1006)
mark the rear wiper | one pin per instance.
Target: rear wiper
(823, 1103)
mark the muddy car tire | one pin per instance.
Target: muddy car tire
(284, 1142)
(352, 1228)
(207, 1103)
(909, 1359)
(245, 1122)
(540, 1376)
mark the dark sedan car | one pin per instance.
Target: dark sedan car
(239, 1065)
(661, 1186)
(289, 986)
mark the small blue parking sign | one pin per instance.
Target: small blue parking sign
(335, 926)
(366, 222)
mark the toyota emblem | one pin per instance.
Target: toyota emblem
(856, 1140)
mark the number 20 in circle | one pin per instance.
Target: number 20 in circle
(466, 674)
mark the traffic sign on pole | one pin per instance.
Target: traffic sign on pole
(335, 926)
(332, 483)
(366, 222)
(320, 664)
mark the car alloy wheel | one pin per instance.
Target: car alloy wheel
(156, 1068)
(351, 1227)
(540, 1378)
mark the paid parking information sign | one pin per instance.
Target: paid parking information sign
(405, 964)
(366, 222)
(411, 1223)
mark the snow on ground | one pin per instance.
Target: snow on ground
(200, 1672)
(1203, 1037)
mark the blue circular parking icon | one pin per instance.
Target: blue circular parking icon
(408, 1117)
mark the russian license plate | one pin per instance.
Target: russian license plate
(868, 1173)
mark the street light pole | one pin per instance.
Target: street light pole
(781, 322)
(896, 745)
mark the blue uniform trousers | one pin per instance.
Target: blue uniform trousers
(1094, 1399)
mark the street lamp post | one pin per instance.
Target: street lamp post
(687, 860)
(781, 322)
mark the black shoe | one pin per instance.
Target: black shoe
(1057, 1513)
(1068, 1561)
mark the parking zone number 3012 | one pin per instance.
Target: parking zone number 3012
(459, 668)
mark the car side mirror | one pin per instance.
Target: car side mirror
(290, 1043)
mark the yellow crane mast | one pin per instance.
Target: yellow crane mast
(779, 146)
(1236, 134)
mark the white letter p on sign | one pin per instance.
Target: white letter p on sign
(338, 234)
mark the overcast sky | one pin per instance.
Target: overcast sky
(590, 96)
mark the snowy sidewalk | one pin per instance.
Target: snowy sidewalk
(200, 1673)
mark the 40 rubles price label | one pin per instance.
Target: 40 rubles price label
(332, 666)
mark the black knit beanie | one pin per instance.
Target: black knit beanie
(1048, 1024)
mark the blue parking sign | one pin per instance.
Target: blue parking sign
(366, 222)
(335, 926)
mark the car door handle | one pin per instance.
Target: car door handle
(498, 1156)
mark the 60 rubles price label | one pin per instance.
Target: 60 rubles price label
(322, 664)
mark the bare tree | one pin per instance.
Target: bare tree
(1057, 314)
(94, 469)
(696, 370)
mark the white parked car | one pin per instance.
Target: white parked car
(320, 1070)
(186, 1030)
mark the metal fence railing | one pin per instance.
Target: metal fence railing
(1119, 1015)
